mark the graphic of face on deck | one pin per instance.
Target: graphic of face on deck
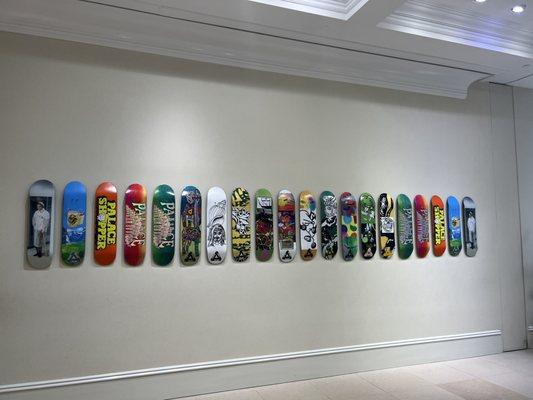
(421, 226)
(240, 225)
(105, 223)
(40, 245)
(470, 226)
(329, 237)
(308, 245)
(163, 225)
(286, 226)
(348, 226)
(191, 221)
(216, 229)
(404, 220)
(135, 224)
(438, 226)
(453, 212)
(367, 218)
(386, 226)
(264, 225)
(73, 223)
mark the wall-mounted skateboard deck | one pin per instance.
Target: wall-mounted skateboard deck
(438, 226)
(286, 226)
(349, 241)
(453, 215)
(216, 225)
(135, 224)
(191, 225)
(386, 226)
(74, 222)
(41, 202)
(163, 225)
(421, 226)
(308, 244)
(329, 226)
(404, 221)
(470, 226)
(264, 225)
(240, 225)
(105, 223)
(367, 220)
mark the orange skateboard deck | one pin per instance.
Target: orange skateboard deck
(105, 224)
(438, 226)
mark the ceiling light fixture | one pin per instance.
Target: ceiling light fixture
(519, 9)
(479, 1)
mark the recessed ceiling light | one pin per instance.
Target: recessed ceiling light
(479, 1)
(518, 9)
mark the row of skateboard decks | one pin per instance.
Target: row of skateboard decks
(418, 223)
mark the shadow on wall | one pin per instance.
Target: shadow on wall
(86, 54)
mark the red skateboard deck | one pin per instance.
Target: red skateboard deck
(421, 226)
(105, 223)
(135, 224)
(438, 226)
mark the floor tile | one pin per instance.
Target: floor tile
(518, 382)
(479, 367)
(427, 392)
(291, 391)
(438, 373)
(346, 387)
(243, 394)
(478, 389)
(393, 380)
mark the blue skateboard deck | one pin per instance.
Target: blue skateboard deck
(73, 223)
(40, 246)
(453, 215)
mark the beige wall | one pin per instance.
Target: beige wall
(71, 111)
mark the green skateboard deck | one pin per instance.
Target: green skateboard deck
(329, 228)
(404, 218)
(163, 225)
(264, 225)
(386, 226)
(367, 218)
(240, 225)
(191, 221)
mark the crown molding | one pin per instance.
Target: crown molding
(424, 18)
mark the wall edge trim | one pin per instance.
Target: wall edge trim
(54, 383)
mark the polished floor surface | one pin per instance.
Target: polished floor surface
(495, 377)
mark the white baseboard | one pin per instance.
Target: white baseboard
(191, 379)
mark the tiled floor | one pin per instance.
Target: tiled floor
(495, 377)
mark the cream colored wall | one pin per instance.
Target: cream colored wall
(72, 111)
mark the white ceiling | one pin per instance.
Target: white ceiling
(430, 46)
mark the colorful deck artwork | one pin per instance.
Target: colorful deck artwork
(240, 225)
(286, 226)
(264, 225)
(191, 221)
(348, 226)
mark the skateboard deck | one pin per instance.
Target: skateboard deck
(240, 225)
(105, 223)
(73, 223)
(367, 218)
(217, 211)
(470, 226)
(421, 226)
(286, 226)
(438, 226)
(329, 238)
(163, 225)
(453, 211)
(386, 226)
(404, 220)
(135, 224)
(191, 221)
(308, 245)
(348, 226)
(40, 246)
(264, 225)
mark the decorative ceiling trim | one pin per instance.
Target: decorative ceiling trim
(340, 9)
(424, 18)
(216, 44)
